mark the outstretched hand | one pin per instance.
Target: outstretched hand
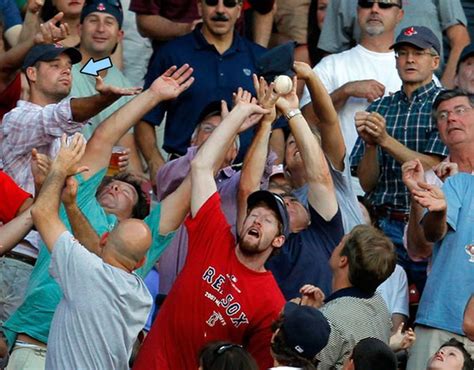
(402, 340)
(430, 196)
(267, 96)
(303, 70)
(173, 82)
(70, 154)
(244, 96)
(290, 101)
(109, 90)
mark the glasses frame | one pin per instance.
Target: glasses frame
(459, 111)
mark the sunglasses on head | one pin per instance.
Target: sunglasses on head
(227, 3)
(382, 5)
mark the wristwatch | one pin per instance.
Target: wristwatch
(292, 113)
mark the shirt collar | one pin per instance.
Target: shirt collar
(348, 292)
(422, 92)
(201, 43)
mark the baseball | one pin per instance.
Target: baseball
(283, 84)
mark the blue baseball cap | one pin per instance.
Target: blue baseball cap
(112, 7)
(274, 202)
(306, 329)
(276, 61)
(49, 52)
(419, 36)
(466, 53)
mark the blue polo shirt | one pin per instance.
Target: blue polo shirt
(216, 77)
(304, 258)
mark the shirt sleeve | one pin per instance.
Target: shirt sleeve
(208, 224)
(70, 263)
(400, 300)
(158, 244)
(10, 14)
(337, 33)
(451, 13)
(39, 127)
(454, 190)
(11, 198)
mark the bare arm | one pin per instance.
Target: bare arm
(262, 27)
(368, 170)
(328, 124)
(167, 86)
(212, 152)
(146, 141)
(45, 211)
(368, 89)
(458, 37)
(321, 195)
(162, 29)
(14, 231)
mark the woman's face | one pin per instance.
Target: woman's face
(321, 12)
(447, 358)
(69, 7)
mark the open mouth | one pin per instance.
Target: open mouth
(254, 232)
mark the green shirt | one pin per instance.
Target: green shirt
(43, 294)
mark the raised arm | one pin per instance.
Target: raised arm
(327, 121)
(160, 28)
(256, 156)
(321, 194)
(212, 152)
(458, 38)
(45, 211)
(168, 86)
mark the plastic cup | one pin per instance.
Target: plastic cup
(117, 152)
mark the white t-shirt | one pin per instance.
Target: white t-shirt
(355, 64)
(394, 291)
(101, 313)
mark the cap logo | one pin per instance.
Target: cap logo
(101, 7)
(410, 31)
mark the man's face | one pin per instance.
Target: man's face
(259, 230)
(455, 119)
(52, 78)
(465, 76)
(375, 21)
(99, 34)
(447, 358)
(414, 65)
(118, 198)
(292, 155)
(297, 213)
(219, 20)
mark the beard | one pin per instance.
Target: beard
(249, 248)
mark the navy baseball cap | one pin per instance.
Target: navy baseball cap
(276, 61)
(274, 202)
(306, 329)
(47, 52)
(466, 53)
(419, 36)
(112, 7)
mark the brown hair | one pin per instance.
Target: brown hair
(371, 256)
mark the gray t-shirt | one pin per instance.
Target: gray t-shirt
(101, 313)
(345, 195)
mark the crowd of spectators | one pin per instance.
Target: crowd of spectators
(237, 184)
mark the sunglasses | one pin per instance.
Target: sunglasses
(227, 3)
(382, 5)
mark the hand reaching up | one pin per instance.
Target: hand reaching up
(173, 82)
(267, 96)
(40, 165)
(290, 101)
(49, 33)
(70, 154)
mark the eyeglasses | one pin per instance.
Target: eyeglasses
(382, 4)
(227, 3)
(458, 111)
(416, 53)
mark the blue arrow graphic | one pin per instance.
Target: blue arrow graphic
(93, 67)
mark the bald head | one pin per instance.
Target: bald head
(129, 241)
